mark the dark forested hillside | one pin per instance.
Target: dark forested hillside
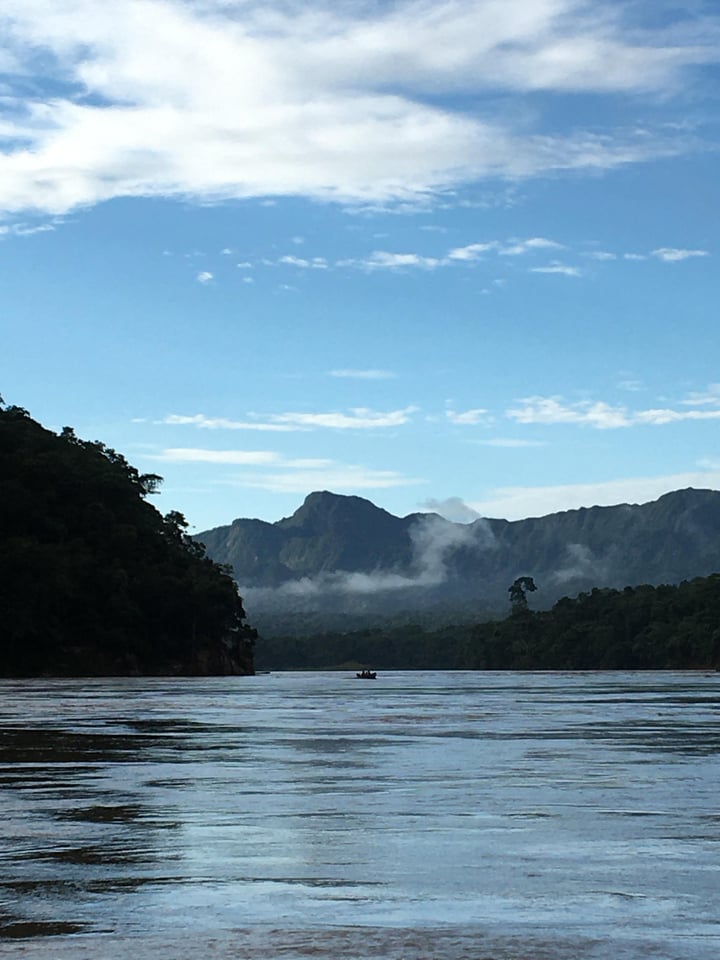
(93, 579)
(637, 628)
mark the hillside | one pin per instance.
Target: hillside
(93, 579)
(638, 628)
(341, 562)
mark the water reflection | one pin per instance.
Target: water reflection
(302, 815)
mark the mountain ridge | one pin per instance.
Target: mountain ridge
(341, 556)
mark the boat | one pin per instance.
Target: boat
(366, 675)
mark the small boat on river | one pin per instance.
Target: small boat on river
(366, 675)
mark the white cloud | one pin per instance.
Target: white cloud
(512, 443)
(559, 268)
(290, 475)
(384, 260)
(707, 397)
(363, 374)
(453, 508)
(634, 256)
(605, 416)
(551, 410)
(204, 277)
(236, 457)
(473, 251)
(468, 417)
(359, 418)
(231, 100)
(601, 255)
(516, 503)
(221, 423)
(519, 247)
(315, 263)
(672, 255)
(337, 477)
(633, 386)
(25, 229)
(663, 416)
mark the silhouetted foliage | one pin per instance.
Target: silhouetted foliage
(93, 579)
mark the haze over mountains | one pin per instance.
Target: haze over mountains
(341, 562)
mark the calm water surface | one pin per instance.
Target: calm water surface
(458, 816)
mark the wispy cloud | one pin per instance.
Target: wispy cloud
(711, 396)
(468, 254)
(559, 268)
(372, 374)
(469, 417)
(331, 476)
(603, 416)
(673, 255)
(520, 247)
(512, 443)
(316, 263)
(225, 100)
(553, 410)
(601, 255)
(662, 416)
(288, 474)
(220, 423)
(472, 254)
(515, 503)
(204, 277)
(632, 386)
(25, 229)
(453, 508)
(473, 251)
(358, 418)
(384, 260)
(235, 457)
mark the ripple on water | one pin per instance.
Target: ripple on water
(452, 817)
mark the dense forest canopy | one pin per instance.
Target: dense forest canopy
(93, 579)
(638, 628)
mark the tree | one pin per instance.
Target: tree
(517, 592)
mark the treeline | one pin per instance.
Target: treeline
(93, 579)
(638, 628)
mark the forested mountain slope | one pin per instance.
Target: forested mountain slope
(342, 557)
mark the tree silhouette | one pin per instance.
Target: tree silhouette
(517, 592)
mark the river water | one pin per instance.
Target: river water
(453, 816)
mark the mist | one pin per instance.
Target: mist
(580, 563)
(433, 540)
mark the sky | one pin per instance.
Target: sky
(449, 256)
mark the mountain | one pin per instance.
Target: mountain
(342, 562)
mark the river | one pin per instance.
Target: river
(452, 816)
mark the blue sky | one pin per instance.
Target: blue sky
(445, 255)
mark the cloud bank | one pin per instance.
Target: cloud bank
(219, 99)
